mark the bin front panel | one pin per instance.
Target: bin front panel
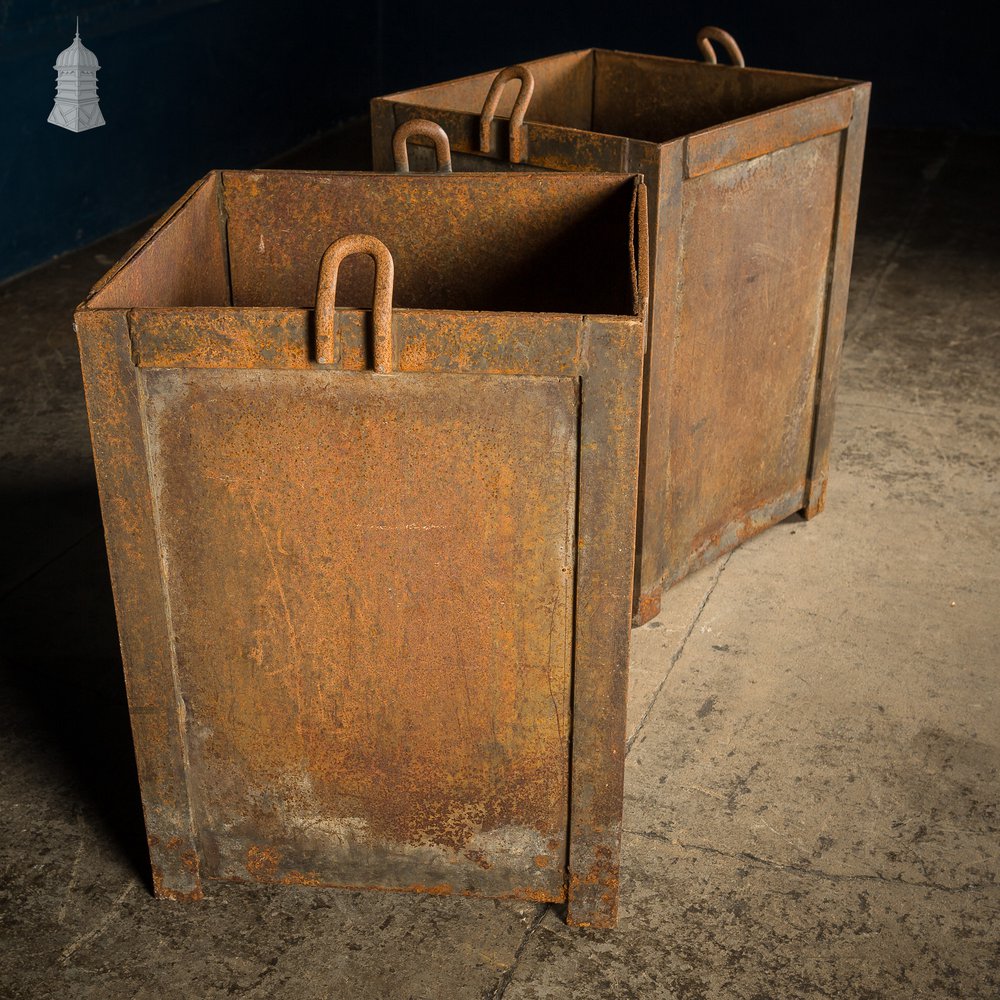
(754, 252)
(370, 581)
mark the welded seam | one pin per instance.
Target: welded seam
(220, 192)
(809, 871)
(568, 839)
(677, 655)
(508, 974)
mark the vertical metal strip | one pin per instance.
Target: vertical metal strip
(836, 307)
(220, 188)
(121, 461)
(664, 173)
(609, 459)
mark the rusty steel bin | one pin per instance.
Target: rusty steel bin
(367, 585)
(753, 180)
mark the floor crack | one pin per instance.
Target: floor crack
(98, 929)
(679, 652)
(508, 974)
(808, 870)
(38, 570)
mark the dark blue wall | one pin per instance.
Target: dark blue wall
(188, 85)
(185, 86)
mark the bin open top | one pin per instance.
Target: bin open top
(526, 243)
(640, 97)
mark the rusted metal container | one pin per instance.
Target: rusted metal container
(365, 593)
(753, 180)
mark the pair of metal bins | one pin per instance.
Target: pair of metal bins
(753, 180)
(362, 610)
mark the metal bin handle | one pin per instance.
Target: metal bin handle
(523, 74)
(326, 298)
(708, 34)
(429, 130)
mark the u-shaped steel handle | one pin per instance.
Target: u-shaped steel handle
(710, 34)
(523, 74)
(326, 298)
(429, 130)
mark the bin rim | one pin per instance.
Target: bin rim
(843, 86)
(638, 243)
(842, 81)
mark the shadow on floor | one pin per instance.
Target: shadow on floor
(62, 690)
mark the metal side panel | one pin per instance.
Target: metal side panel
(371, 585)
(755, 250)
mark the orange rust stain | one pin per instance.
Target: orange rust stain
(443, 889)
(301, 878)
(480, 859)
(598, 874)
(603, 910)
(414, 355)
(161, 891)
(649, 606)
(532, 895)
(542, 860)
(262, 862)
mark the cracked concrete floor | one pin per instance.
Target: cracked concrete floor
(812, 777)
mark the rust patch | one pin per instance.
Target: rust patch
(594, 896)
(537, 896)
(262, 863)
(480, 859)
(441, 889)
(162, 890)
(649, 606)
(301, 878)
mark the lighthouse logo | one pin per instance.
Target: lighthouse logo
(76, 106)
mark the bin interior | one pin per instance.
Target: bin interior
(650, 98)
(510, 243)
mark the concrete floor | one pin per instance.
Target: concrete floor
(811, 797)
